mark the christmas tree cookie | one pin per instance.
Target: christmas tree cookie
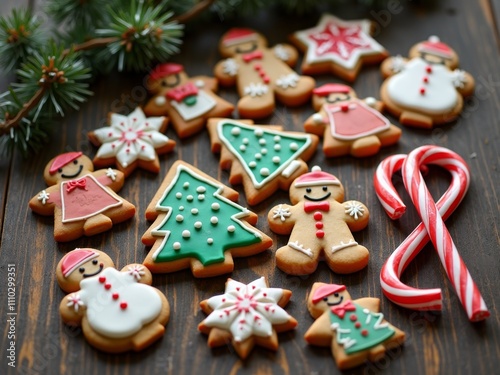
(354, 329)
(131, 141)
(117, 310)
(247, 315)
(339, 47)
(198, 225)
(427, 89)
(187, 101)
(262, 158)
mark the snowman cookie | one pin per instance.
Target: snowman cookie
(347, 124)
(355, 330)
(82, 201)
(260, 73)
(320, 225)
(117, 310)
(427, 89)
(187, 101)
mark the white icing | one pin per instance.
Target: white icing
(346, 341)
(230, 67)
(281, 52)
(204, 103)
(398, 63)
(247, 310)
(255, 89)
(287, 81)
(43, 197)
(136, 271)
(104, 313)
(160, 100)
(300, 247)
(131, 137)
(354, 209)
(111, 174)
(440, 92)
(281, 212)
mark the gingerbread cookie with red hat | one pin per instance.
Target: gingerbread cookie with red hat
(426, 89)
(82, 201)
(355, 330)
(347, 124)
(187, 101)
(339, 47)
(261, 74)
(319, 223)
(131, 141)
(117, 310)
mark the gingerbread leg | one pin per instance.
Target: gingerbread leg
(366, 146)
(97, 224)
(296, 259)
(416, 119)
(347, 257)
(256, 106)
(297, 94)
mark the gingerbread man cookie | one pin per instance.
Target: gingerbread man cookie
(117, 310)
(188, 102)
(247, 315)
(355, 330)
(338, 46)
(260, 73)
(320, 225)
(82, 201)
(427, 89)
(131, 141)
(349, 125)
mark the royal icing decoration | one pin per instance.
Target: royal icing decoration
(247, 310)
(43, 197)
(199, 221)
(131, 138)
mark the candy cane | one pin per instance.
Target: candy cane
(432, 227)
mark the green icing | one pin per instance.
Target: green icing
(351, 337)
(198, 220)
(263, 153)
(190, 100)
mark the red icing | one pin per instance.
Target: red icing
(320, 234)
(341, 309)
(164, 70)
(123, 305)
(247, 57)
(102, 279)
(75, 258)
(181, 92)
(238, 35)
(325, 290)
(331, 88)
(62, 160)
(115, 296)
(364, 332)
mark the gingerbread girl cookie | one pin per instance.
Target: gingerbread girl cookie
(260, 73)
(355, 330)
(427, 89)
(320, 225)
(349, 125)
(188, 102)
(118, 310)
(82, 201)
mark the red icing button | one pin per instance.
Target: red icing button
(422, 91)
(266, 79)
(319, 225)
(364, 332)
(320, 234)
(102, 279)
(357, 324)
(344, 107)
(107, 286)
(426, 79)
(318, 215)
(123, 305)
(353, 317)
(428, 69)
(115, 296)
(257, 67)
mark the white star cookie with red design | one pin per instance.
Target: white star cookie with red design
(131, 141)
(338, 46)
(247, 315)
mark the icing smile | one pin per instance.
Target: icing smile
(75, 174)
(324, 197)
(336, 303)
(101, 266)
(251, 48)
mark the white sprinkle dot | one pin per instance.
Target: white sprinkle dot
(215, 206)
(189, 198)
(277, 138)
(178, 195)
(258, 132)
(243, 148)
(201, 189)
(214, 220)
(194, 211)
(262, 142)
(179, 218)
(210, 241)
(264, 172)
(186, 233)
(201, 197)
(263, 151)
(252, 164)
(235, 131)
(176, 245)
(198, 224)
(245, 141)
(181, 208)
(258, 156)
(294, 146)
(277, 147)
(186, 185)
(276, 159)
(231, 229)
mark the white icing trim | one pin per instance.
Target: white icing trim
(354, 209)
(288, 171)
(43, 197)
(299, 247)
(343, 245)
(204, 103)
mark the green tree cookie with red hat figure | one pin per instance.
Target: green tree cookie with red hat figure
(82, 201)
(187, 101)
(347, 124)
(355, 330)
(320, 225)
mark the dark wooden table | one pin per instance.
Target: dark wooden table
(445, 343)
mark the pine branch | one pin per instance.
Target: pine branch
(194, 11)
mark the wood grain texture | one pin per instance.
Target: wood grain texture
(437, 343)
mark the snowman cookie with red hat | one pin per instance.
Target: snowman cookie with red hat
(427, 89)
(117, 310)
(82, 201)
(261, 74)
(319, 224)
(347, 124)
(187, 101)
(355, 330)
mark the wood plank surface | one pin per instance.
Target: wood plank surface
(445, 343)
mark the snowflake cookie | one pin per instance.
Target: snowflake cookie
(117, 310)
(131, 141)
(198, 225)
(247, 315)
(355, 330)
(319, 224)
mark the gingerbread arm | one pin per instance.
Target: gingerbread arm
(226, 72)
(356, 215)
(463, 82)
(45, 201)
(316, 124)
(320, 333)
(72, 309)
(286, 53)
(392, 65)
(139, 272)
(112, 178)
(281, 218)
(372, 304)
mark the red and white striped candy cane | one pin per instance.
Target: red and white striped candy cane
(432, 227)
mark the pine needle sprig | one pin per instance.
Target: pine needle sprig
(78, 14)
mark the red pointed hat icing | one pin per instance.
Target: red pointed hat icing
(63, 159)
(316, 177)
(434, 46)
(75, 259)
(331, 88)
(164, 70)
(238, 35)
(325, 290)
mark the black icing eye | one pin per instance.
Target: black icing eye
(81, 269)
(75, 162)
(94, 261)
(325, 299)
(336, 294)
(308, 190)
(348, 96)
(325, 188)
(60, 170)
(164, 84)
